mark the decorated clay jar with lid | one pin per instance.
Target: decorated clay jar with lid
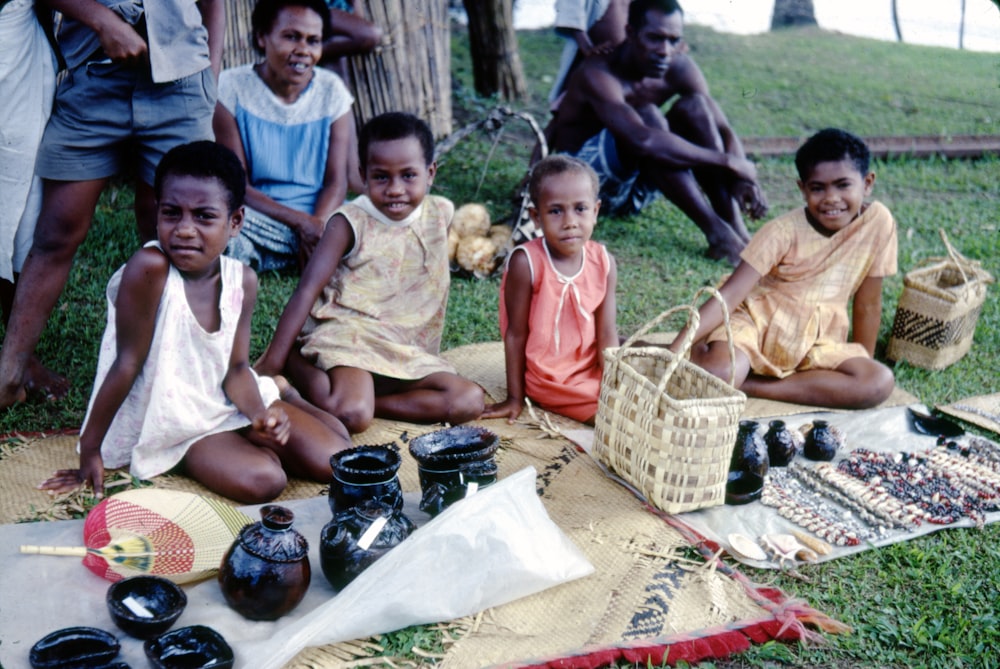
(266, 572)
(822, 440)
(357, 537)
(782, 444)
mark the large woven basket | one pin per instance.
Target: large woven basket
(664, 424)
(938, 310)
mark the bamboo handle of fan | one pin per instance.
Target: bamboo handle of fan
(65, 551)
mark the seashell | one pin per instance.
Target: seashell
(744, 546)
(815, 543)
(785, 544)
(471, 220)
(806, 555)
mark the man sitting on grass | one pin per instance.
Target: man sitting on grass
(611, 118)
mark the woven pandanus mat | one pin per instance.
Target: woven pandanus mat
(650, 590)
(981, 410)
(484, 363)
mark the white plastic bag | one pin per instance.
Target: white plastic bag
(491, 548)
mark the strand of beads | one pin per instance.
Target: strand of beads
(981, 450)
(812, 478)
(875, 499)
(809, 510)
(908, 478)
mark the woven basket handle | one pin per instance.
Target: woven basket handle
(955, 256)
(691, 327)
(693, 319)
(714, 293)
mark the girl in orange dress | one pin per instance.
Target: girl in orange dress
(557, 298)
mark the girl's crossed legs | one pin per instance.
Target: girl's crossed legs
(857, 383)
(248, 467)
(356, 396)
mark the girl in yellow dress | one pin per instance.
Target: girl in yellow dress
(790, 293)
(360, 336)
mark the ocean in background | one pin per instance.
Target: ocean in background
(927, 22)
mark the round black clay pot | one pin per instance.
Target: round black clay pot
(782, 444)
(365, 473)
(453, 463)
(355, 538)
(822, 441)
(194, 647)
(265, 573)
(750, 451)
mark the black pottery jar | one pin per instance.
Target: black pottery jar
(357, 537)
(782, 443)
(365, 473)
(452, 463)
(265, 573)
(822, 441)
(748, 465)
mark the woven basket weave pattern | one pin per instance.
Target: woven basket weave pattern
(673, 444)
(937, 314)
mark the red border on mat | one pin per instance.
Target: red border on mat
(787, 623)
(710, 643)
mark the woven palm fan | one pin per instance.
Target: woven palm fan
(177, 535)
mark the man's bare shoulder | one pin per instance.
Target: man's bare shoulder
(592, 86)
(684, 76)
(596, 78)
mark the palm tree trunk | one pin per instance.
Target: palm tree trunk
(961, 28)
(496, 63)
(895, 21)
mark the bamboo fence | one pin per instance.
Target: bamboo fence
(409, 71)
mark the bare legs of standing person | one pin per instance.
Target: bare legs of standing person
(67, 212)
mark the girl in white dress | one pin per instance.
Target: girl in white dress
(174, 385)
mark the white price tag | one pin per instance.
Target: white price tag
(371, 534)
(136, 607)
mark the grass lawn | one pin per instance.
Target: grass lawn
(927, 602)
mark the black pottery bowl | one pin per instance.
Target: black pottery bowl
(194, 647)
(145, 606)
(447, 448)
(366, 463)
(744, 487)
(78, 647)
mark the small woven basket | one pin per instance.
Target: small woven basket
(664, 424)
(938, 310)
